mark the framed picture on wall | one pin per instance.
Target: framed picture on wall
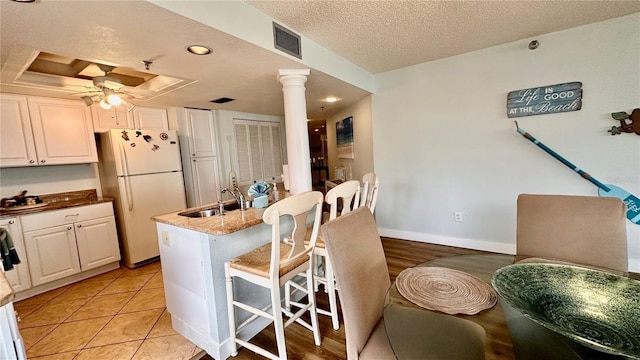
(344, 138)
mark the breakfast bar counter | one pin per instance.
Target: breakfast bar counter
(192, 253)
(232, 220)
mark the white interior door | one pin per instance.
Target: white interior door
(142, 197)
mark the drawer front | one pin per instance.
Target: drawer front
(65, 216)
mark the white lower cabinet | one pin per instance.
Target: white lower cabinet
(206, 189)
(65, 242)
(52, 253)
(18, 277)
(95, 242)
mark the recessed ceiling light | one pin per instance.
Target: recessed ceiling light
(199, 50)
(331, 99)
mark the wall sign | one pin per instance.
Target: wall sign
(545, 100)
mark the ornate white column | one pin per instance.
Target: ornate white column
(295, 117)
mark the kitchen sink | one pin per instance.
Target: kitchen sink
(210, 211)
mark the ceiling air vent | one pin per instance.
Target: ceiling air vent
(221, 100)
(286, 40)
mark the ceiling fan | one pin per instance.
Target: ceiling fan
(109, 91)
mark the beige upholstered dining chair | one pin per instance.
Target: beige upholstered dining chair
(587, 230)
(347, 193)
(369, 191)
(273, 265)
(355, 249)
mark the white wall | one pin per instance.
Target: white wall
(443, 142)
(362, 138)
(38, 180)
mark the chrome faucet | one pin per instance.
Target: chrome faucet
(237, 194)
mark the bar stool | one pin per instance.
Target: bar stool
(369, 191)
(349, 193)
(273, 265)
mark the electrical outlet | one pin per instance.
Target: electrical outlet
(165, 238)
(457, 216)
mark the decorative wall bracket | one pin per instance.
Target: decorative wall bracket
(632, 125)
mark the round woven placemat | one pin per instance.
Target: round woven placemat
(447, 290)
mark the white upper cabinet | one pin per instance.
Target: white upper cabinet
(16, 138)
(45, 131)
(201, 130)
(115, 118)
(62, 131)
(149, 118)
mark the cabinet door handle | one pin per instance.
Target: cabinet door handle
(31, 161)
(11, 222)
(79, 225)
(68, 227)
(43, 161)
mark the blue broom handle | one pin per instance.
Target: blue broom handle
(563, 160)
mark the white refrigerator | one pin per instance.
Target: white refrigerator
(142, 171)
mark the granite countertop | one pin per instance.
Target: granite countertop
(6, 292)
(230, 222)
(58, 201)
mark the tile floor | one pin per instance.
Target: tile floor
(119, 315)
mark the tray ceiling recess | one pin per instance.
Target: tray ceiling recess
(77, 77)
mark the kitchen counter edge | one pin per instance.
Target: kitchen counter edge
(54, 206)
(232, 221)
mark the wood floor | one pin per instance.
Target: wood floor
(400, 254)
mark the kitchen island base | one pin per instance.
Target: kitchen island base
(194, 283)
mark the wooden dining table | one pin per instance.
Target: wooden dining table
(539, 343)
(498, 340)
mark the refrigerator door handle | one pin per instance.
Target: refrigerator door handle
(123, 160)
(127, 189)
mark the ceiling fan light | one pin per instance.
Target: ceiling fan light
(114, 99)
(104, 104)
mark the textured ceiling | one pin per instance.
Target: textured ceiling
(375, 35)
(381, 36)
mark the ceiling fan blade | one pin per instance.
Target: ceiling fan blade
(136, 93)
(108, 82)
(88, 92)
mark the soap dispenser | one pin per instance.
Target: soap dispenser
(275, 193)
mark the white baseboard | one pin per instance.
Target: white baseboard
(496, 247)
(502, 248)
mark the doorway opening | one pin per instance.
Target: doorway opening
(319, 153)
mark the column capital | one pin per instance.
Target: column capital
(285, 72)
(297, 75)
